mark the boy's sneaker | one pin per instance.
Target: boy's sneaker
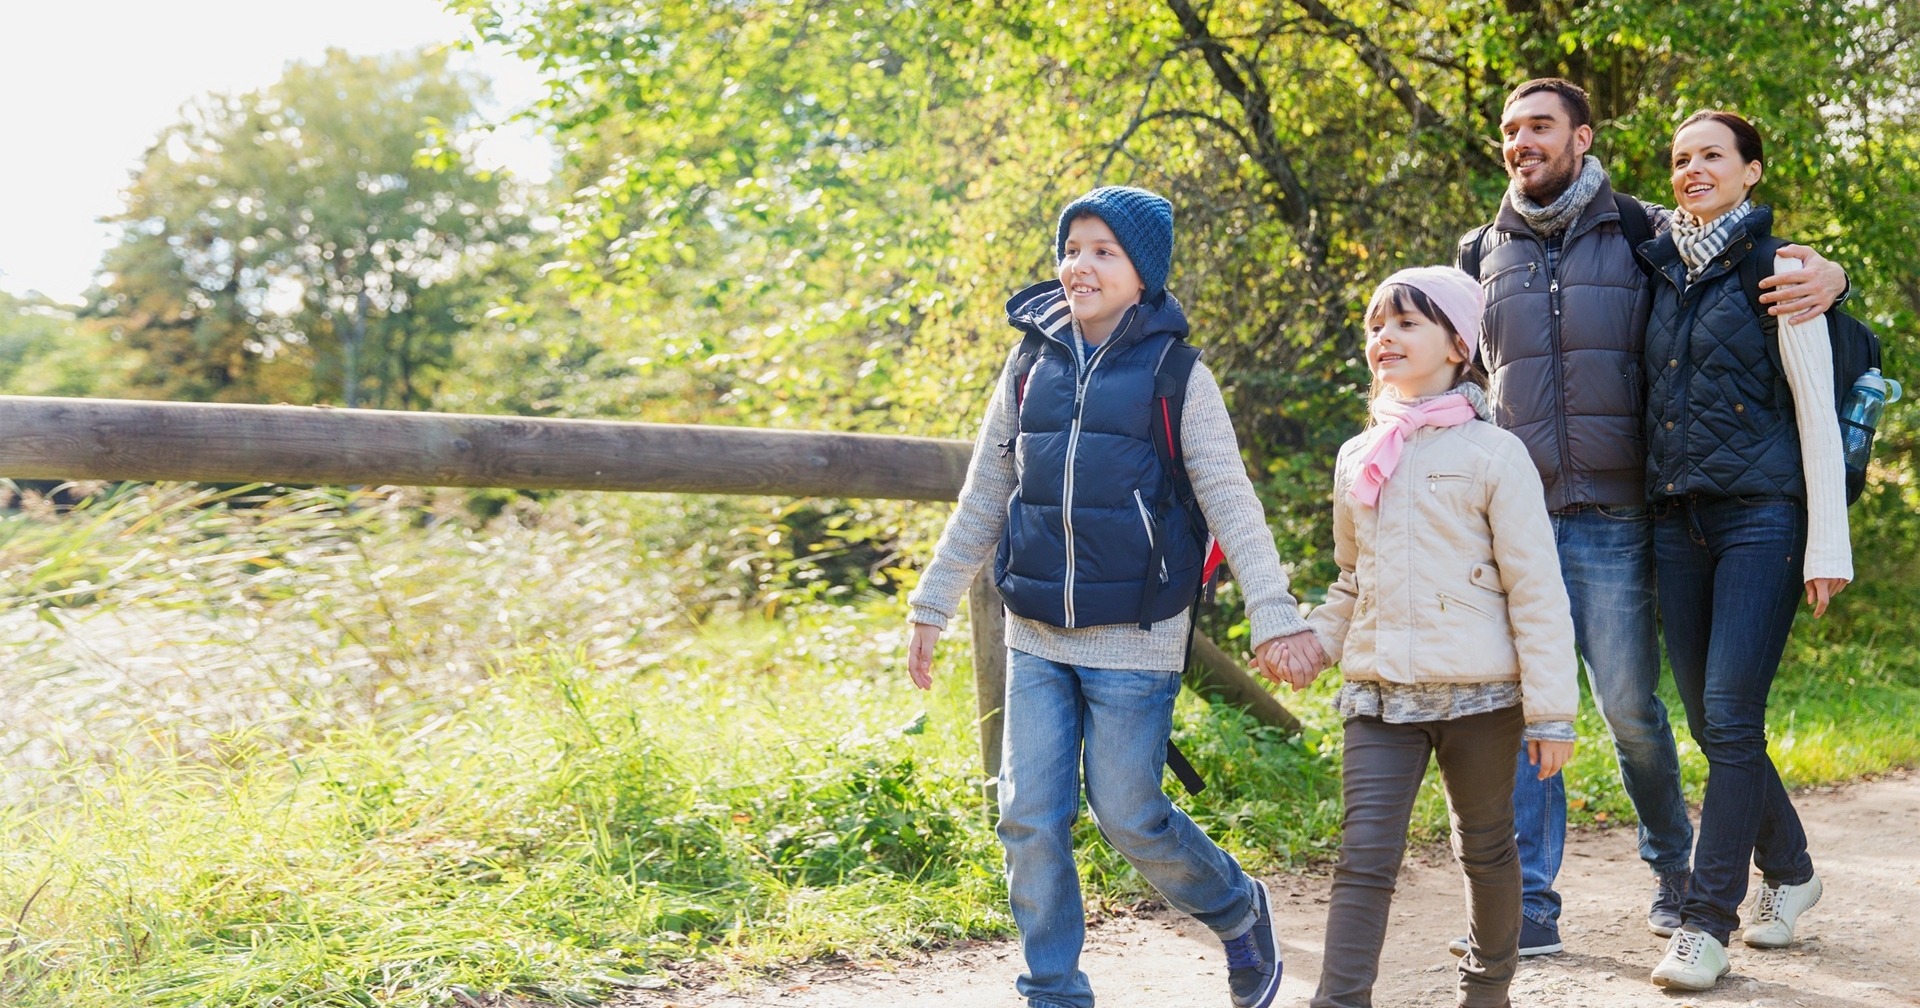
(1536, 939)
(1694, 961)
(1776, 909)
(1669, 895)
(1253, 959)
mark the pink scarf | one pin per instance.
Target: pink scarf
(1396, 420)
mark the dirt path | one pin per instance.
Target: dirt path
(1859, 947)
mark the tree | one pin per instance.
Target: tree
(309, 241)
(44, 350)
(817, 208)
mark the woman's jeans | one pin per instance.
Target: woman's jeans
(1730, 580)
(1380, 776)
(1114, 723)
(1606, 560)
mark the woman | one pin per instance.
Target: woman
(1745, 474)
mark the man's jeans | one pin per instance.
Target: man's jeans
(1730, 580)
(1606, 559)
(1124, 718)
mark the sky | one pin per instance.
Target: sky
(86, 85)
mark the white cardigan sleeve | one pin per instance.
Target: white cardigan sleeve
(1808, 358)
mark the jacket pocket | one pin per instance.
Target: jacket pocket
(1448, 603)
(1436, 481)
(1153, 536)
(1530, 266)
(1487, 576)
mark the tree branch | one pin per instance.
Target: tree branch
(1250, 92)
(1380, 61)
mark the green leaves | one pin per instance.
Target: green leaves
(838, 198)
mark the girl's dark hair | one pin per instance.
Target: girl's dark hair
(1745, 138)
(1404, 299)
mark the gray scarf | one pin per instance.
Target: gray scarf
(1699, 241)
(1556, 217)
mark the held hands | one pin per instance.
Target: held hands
(1803, 294)
(920, 654)
(1295, 660)
(1548, 756)
(1821, 591)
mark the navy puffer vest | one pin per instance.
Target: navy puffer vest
(1093, 498)
(1719, 411)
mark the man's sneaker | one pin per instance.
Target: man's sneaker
(1776, 909)
(1669, 895)
(1253, 959)
(1536, 939)
(1694, 961)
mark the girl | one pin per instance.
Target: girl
(1452, 629)
(1066, 482)
(1747, 481)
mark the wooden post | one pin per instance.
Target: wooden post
(989, 619)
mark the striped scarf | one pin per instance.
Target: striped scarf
(1699, 241)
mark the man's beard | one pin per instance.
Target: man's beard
(1560, 171)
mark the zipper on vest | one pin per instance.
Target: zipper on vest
(1559, 362)
(1146, 522)
(1080, 383)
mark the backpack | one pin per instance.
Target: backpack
(1170, 374)
(1633, 224)
(1856, 348)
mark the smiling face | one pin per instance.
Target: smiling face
(1710, 176)
(1100, 280)
(1542, 148)
(1409, 352)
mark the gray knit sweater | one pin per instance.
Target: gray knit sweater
(1225, 495)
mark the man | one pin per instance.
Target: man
(1566, 317)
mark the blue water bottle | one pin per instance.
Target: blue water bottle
(1869, 396)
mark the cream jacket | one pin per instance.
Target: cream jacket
(1454, 577)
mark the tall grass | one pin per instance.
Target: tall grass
(313, 748)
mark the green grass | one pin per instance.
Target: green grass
(330, 749)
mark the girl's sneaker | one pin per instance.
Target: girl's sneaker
(1694, 961)
(1775, 911)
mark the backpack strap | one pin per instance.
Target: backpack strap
(1755, 267)
(1031, 346)
(1170, 375)
(1633, 224)
(1183, 770)
(1472, 252)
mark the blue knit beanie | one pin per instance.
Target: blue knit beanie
(1141, 220)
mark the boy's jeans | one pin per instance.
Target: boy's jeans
(1606, 559)
(1124, 718)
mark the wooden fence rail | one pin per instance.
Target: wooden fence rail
(111, 439)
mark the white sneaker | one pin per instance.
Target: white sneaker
(1775, 911)
(1694, 961)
